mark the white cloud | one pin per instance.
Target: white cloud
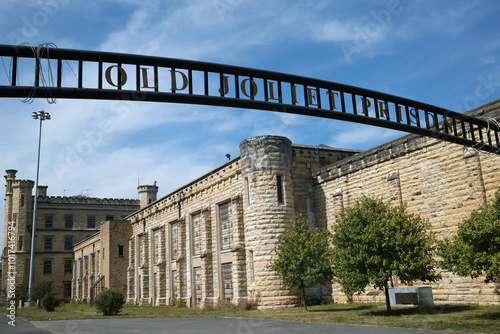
(363, 137)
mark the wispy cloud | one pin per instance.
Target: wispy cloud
(363, 137)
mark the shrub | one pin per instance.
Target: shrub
(50, 302)
(109, 302)
(248, 305)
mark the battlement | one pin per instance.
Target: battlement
(86, 200)
(23, 183)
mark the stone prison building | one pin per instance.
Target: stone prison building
(214, 238)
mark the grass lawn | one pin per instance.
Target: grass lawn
(484, 319)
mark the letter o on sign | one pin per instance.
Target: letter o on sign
(123, 75)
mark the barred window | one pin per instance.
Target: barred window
(175, 240)
(49, 221)
(68, 221)
(67, 290)
(226, 226)
(68, 242)
(227, 280)
(156, 246)
(198, 283)
(140, 245)
(47, 243)
(47, 267)
(91, 220)
(174, 284)
(68, 266)
(197, 234)
(20, 243)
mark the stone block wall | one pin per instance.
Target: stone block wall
(439, 181)
(265, 188)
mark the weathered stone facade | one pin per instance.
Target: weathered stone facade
(439, 181)
(184, 249)
(61, 222)
(101, 261)
(214, 238)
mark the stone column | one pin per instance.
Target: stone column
(266, 166)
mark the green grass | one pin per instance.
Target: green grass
(484, 319)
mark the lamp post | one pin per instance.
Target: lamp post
(42, 116)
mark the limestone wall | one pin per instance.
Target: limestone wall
(163, 263)
(438, 181)
(214, 238)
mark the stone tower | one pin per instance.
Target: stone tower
(266, 168)
(147, 194)
(17, 221)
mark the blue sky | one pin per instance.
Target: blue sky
(444, 53)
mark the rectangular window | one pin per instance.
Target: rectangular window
(110, 217)
(91, 221)
(140, 246)
(279, 186)
(247, 188)
(227, 280)
(175, 240)
(156, 246)
(22, 201)
(20, 243)
(49, 221)
(197, 281)
(67, 290)
(68, 266)
(15, 219)
(68, 221)
(197, 234)
(47, 243)
(174, 284)
(47, 267)
(68, 242)
(98, 261)
(120, 250)
(226, 226)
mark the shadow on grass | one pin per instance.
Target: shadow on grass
(490, 316)
(397, 312)
(352, 308)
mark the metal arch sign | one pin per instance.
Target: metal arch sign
(116, 76)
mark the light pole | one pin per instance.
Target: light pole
(42, 116)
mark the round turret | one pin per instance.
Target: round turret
(147, 194)
(266, 167)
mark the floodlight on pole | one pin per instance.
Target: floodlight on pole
(42, 116)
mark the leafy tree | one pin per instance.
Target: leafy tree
(475, 249)
(374, 242)
(304, 257)
(109, 302)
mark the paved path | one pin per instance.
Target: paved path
(194, 325)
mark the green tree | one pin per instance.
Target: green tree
(304, 257)
(475, 249)
(374, 241)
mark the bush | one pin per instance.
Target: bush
(248, 305)
(109, 302)
(50, 302)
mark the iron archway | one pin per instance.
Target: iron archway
(117, 76)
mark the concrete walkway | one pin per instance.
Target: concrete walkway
(193, 325)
